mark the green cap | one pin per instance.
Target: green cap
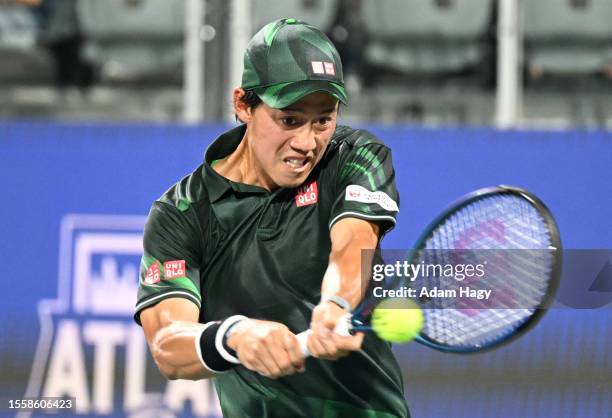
(287, 60)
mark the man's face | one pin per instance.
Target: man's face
(286, 144)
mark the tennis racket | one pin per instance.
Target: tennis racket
(516, 235)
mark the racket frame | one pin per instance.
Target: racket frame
(356, 322)
(555, 272)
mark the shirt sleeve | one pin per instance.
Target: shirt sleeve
(365, 187)
(170, 266)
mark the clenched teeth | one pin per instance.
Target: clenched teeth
(293, 162)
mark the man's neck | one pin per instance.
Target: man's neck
(240, 166)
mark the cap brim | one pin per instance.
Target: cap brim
(282, 95)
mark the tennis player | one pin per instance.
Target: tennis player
(264, 240)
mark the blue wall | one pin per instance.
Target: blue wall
(51, 170)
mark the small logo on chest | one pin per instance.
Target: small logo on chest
(307, 194)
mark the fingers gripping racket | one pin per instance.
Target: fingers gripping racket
(523, 262)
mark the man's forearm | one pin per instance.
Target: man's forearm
(343, 276)
(182, 347)
(175, 352)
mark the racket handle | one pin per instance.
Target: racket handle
(343, 327)
(302, 339)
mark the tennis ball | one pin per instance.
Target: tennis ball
(397, 320)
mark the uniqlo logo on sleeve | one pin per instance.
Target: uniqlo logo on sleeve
(153, 274)
(175, 269)
(307, 194)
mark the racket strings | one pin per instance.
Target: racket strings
(515, 240)
(452, 329)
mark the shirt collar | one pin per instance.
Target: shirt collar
(216, 184)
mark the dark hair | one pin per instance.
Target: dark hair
(251, 99)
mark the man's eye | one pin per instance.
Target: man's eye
(324, 121)
(289, 121)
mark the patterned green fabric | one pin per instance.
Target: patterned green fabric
(170, 235)
(289, 59)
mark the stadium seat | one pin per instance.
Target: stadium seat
(17, 28)
(320, 13)
(131, 40)
(426, 36)
(568, 37)
(18, 49)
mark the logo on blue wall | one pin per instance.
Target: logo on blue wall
(89, 347)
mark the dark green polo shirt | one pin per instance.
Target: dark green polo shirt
(233, 248)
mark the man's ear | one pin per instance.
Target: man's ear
(242, 111)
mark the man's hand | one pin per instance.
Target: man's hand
(268, 348)
(323, 342)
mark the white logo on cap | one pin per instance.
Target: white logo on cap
(317, 67)
(329, 68)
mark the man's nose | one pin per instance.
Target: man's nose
(305, 140)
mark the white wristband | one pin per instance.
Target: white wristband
(209, 345)
(338, 300)
(221, 333)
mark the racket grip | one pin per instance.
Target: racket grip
(343, 327)
(302, 339)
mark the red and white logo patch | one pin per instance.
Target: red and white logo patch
(353, 193)
(153, 274)
(175, 269)
(359, 193)
(307, 195)
(329, 68)
(323, 67)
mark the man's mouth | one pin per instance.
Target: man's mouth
(297, 164)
